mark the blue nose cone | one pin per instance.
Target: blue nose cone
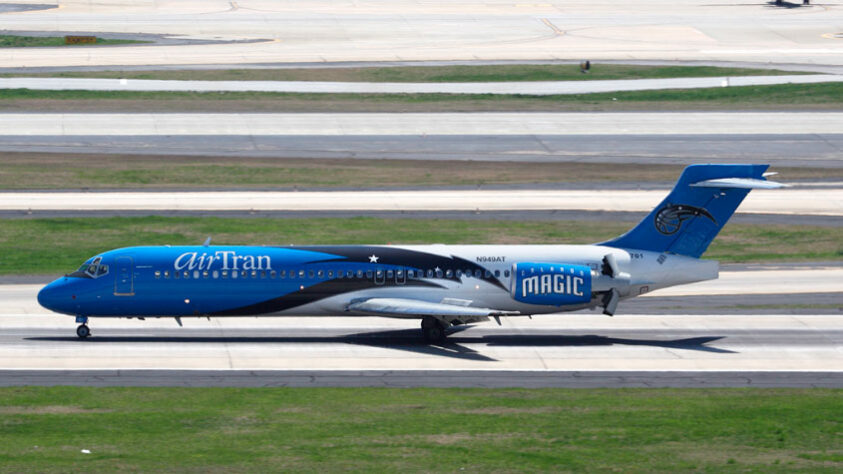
(55, 297)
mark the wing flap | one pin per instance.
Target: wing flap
(417, 308)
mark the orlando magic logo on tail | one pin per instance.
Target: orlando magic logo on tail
(670, 218)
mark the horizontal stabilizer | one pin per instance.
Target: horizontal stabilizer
(738, 183)
(404, 307)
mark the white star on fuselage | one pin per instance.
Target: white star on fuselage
(373, 259)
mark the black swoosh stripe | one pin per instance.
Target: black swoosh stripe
(314, 293)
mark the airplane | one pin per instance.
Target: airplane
(441, 285)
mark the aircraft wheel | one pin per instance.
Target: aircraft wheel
(83, 331)
(433, 330)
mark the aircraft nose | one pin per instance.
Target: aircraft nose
(54, 298)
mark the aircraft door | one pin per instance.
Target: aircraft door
(124, 284)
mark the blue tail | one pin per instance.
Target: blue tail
(689, 218)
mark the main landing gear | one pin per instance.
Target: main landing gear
(83, 331)
(433, 330)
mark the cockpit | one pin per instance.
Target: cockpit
(93, 268)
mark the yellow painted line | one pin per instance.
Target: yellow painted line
(552, 27)
(833, 35)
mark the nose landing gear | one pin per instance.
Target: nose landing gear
(83, 331)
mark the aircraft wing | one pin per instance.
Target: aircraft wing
(405, 307)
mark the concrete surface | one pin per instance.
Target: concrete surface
(575, 342)
(526, 88)
(401, 30)
(366, 124)
(824, 202)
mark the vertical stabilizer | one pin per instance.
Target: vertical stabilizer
(700, 204)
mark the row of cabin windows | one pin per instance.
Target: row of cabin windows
(272, 274)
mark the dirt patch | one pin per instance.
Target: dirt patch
(49, 410)
(512, 410)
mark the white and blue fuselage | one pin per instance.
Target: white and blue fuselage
(442, 285)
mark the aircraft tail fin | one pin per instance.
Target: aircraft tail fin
(701, 202)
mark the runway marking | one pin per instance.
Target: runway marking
(553, 27)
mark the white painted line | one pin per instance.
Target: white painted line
(419, 124)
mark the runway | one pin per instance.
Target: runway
(783, 139)
(407, 30)
(811, 150)
(577, 342)
(515, 87)
(788, 201)
(574, 349)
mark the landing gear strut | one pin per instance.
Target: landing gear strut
(433, 330)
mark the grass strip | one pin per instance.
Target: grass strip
(58, 245)
(44, 429)
(17, 41)
(491, 73)
(67, 171)
(825, 96)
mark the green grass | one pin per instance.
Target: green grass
(496, 73)
(67, 171)
(16, 41)
(58, 245)
(419, 430)
(827, 96)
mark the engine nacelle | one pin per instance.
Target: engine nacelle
(553, 284)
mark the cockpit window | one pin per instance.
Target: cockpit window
(91, 269)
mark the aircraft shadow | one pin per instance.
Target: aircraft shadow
(773, 3)
(410, 340)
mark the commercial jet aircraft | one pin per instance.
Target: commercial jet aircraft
(442, 285)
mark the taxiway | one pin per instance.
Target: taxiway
(792, 201)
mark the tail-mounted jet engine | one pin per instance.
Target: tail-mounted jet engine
(554, 284)
(610, 282)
